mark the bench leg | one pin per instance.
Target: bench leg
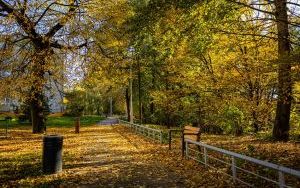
(182, 146)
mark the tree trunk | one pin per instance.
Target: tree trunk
(36, 95)
(77, 125)
(37, 114)
(153, 87)
(282, 126)
(255, 122)
(110, 106)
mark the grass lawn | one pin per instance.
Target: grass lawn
(55, 121)
(66, 121)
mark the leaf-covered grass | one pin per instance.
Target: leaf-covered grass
(251, 145)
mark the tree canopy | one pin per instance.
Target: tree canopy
(224, 65)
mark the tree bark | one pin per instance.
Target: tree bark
(282, 119)
(38, 118)
(77, 125)
(255, 124)
(36, 96)
(37, 114)
(153, 87)
(110, 106)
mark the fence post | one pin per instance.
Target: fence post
(161, 137)
(233, 165)
(205, 156)
(281, 179)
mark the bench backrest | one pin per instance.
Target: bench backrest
(192, 133)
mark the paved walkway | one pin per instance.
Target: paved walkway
(109, 121)
(122, 160)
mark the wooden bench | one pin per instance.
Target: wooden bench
(191, 133)
(188, 132)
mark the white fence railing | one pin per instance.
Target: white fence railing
(235, 167)
(153, 134)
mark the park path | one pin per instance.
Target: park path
(109, 121)
(118, 159)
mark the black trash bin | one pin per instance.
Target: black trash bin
(52, 154)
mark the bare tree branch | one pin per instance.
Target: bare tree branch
(251, 7)
(49, 8)
(61, 46)
(62, 22)
(21, 19)
(3, 15)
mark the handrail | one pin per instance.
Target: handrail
(280, 169)
(158, 132)
(251, 159)
(140, 126)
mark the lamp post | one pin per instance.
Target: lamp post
(130, 100)
(131, 49)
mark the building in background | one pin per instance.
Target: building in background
(54, 96)
(8, 105)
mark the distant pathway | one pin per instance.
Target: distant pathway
(109, 121)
